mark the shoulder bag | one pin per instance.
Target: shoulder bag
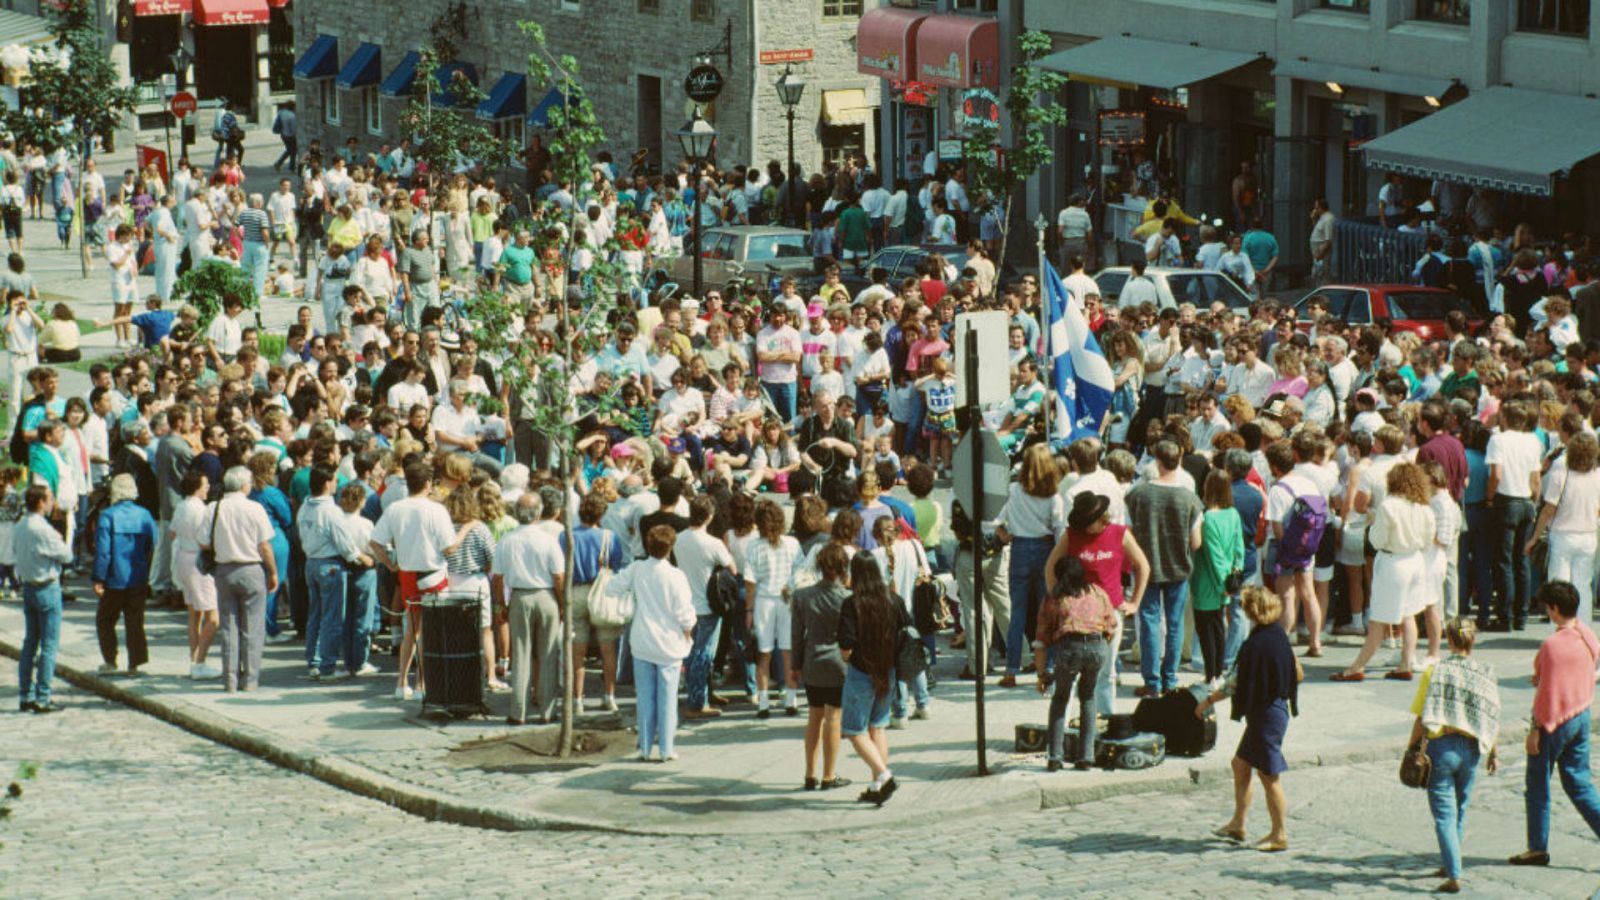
(1415, 767)
(206, 560)
(606, 609)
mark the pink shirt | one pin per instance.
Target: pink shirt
(1563, 673)
(1102, 558)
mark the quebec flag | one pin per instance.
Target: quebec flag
(1080, 373)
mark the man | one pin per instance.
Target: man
(419, 277)
(1162, 248)
(1513, 456)
(670, 492)
(875, 206)
(778, 356)
(1088, 477)
(1322, 220)
(1246, 192)
(1138, 289)
(698, 555)
(1027, 400)
(1440, 446)
(1293, 578)
(282, 209)
(1262, 248)
(41, 553)
(174, 454)
(225, 334)
(246, 572)
(1164, 515)
(198, 221)
(1080, 285)
(1075, 231)
(854, 229)
(827, 447)
(284, 126)
(124, 539)
(1208, 424)
(517, 263)
(1563, 678)
(529, 565)
(457, 427)
(22, 345)
(412, 538)
(256, 227)
(332, 556)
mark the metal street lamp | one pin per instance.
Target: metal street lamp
(697, 137)
(790, 89)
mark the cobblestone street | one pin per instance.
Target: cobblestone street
(125, 805)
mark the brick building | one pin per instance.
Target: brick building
(353, 60)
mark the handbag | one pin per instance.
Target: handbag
(206, 560)
(1415, 766)
(606, 609)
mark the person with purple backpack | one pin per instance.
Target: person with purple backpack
(1298, 513)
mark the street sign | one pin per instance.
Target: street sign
(703, 84)
(183, 104)
(994, 371)
(774, 57)
(996, 471)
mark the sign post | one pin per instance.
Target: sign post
(182, 106)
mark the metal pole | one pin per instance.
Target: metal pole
(698, 189)
(980, 626)
(794, 218)
(1049, 351)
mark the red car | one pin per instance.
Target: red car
(1411, 308)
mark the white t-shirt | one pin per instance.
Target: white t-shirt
(1576, 498)
(697, 554)
(1518, 454)
(1286, 490)
(785, 340)
(22, 337)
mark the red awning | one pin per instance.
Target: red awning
(231, 12)
(161, 7)
(277, 4)
(886, 42)
(959, 51)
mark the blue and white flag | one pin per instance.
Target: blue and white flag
(1080, 373)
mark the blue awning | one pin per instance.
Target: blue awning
(539, 117)
(398, 84)
(508, 99)
(321, 59)
(446, 74)
(363, 70)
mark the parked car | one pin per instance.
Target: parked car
(1174, 287)
(901, 260)
(1410, 307)
(738, 251)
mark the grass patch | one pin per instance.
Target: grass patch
(272, 345)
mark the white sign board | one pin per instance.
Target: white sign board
(994, 354)
(996, 472)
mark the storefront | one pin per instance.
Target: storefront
(238, 50)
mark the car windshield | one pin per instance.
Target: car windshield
(776, 246)
(1205, 288)
(1427, 305)
(1349, 304)
(1111, 283)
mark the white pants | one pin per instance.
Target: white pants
(771, 623)
(1572, 555)
(19, 364)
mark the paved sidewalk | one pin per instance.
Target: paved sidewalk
(734, 775)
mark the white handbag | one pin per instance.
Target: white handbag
(605, 609)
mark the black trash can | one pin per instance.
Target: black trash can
(452, 656)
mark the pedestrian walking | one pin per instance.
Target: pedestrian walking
(239, 539)
(40, 554)
(822, 669)
(871, 622)
(124, 541)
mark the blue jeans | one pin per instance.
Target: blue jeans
(280, 555)
(1511, 524)
(1455, 767)
(917, 413)
(1028, 556)
(1162, 607)
(1080, 659)
(325, 613)
(701, 653)
(1567, 748)
(862, 708)
(657, 688)
(360, 615)
(1472, 562)
(1238, 630)
(782, 396)
(41, 636)
(742, 645)
(255, 260)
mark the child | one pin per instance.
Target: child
(11, 512)
(885, 453)
(362, 614)
(829, 381)
(930, 517)
(875, 424)
(283, 283)
(939, 395)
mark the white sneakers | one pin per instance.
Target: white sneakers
(366, 669)
(107, 669)
(203, 672)
(611, 704)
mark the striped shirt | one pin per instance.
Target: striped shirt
(255, 225)
(771, 567)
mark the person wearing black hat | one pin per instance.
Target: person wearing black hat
(1106, 551)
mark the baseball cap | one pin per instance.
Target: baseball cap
(816, 310)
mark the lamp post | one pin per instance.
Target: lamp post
(790, 89)
(696, 137)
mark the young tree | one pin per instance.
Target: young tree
(1030, 104)
(72, 95)
(442, 119)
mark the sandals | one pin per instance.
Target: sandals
(1267, 845)
(1227, 834)
(835, 782)
(1398, 675)
(1348, 676)
(1313, 653)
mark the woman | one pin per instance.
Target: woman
(717, 352)
(60, 336)
(1128, 379)
(1076, 622)
(264, 472)
(768, 568)
(870, 623)
(1401, 531)
(165, 243)
(469, 567)
(597, 549)
(1106, 551)
(1265, 689)
(1031, 521)
(373, 274)
(1458, 709)
(12, 202)
(815, 613)
(123, 256)
(1571, 509)
(199, 590)
(1290, 366)
(904, 567)
(660, 636)
(773, 460)
(872, 372)
(1352, 555)
(1321, 406)
(1221, 554)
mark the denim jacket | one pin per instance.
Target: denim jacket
(124, 539)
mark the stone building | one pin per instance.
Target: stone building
(633, 55)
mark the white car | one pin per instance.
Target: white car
(1174, 287)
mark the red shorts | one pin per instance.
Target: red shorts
(411, 593)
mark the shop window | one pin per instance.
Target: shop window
(840, 9)
(703, 10)
(985, 6)
(649, 6)
(1359, 6)
(842, 142)
(1455, 12)
(569, 5)
(150, 52)
(280, 51)
(514, 132)
(1569, 17)
(330, 100)
(372, 109)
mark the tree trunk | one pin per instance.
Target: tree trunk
(77, 214)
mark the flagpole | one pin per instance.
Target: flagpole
(1040, 225)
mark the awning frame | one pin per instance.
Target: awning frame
(321, 59)
(511, 89)
(853, 108)
(363, 69)
(222, 13)
(1128, 62)
(1366, 79)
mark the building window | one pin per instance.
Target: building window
(330, 100)
(1570, 17)
(1359, 6)
(841, 143)
(514, 132)
(569, 5)
(649, 6)
(986, 6)
(1455, 12)
(372, 109)
(703, 10)
(839, 9)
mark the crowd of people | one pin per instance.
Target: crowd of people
(759, 476)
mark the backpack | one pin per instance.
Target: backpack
(911, 657)
(19, 445)
(928, 609)
(1302, 532)
(722, 592)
